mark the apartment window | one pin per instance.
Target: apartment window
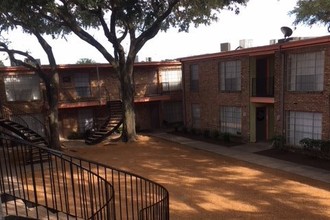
(194, 78)
(173, 112)
(82, 85)
(171, 80)
(230, 75)
(303, 125)
(230, 120)
(22, 88)
(196, 115)
(306, 71)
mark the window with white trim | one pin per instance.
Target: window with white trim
(171, 79)
(231, 120)
(22, 88)
(196, 115)
(230, 75)
(306, 71)
(302, 125)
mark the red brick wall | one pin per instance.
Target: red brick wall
(210, 98)
(307, 101)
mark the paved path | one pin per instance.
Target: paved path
(246, 153)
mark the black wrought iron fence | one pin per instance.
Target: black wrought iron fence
(67, 187)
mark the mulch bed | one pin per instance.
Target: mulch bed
(297, 157)
(206, 139)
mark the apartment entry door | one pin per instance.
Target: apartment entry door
(261, 124)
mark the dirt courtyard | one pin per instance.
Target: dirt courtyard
(203, 185)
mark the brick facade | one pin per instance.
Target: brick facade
(103, 85)
(209, 98)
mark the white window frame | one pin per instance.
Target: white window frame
(306, 71)
(230, 75)
(22, 87)
(171, 79)
(302, 125)
(231, 120)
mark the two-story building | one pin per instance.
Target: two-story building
(86, 88)
(256, 93)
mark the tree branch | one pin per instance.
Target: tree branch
(155, 27)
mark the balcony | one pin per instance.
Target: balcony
(83, 93)
(156, 91)
(263, 87)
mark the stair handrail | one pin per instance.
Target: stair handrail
(8, 112)
(93, 125)
(13, 163)
(123, 195)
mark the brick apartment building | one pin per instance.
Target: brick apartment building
(85, 90)
(258, 92)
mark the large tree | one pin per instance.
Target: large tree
(127, 22)
(312, 12)
(17, 14)
(136, 21)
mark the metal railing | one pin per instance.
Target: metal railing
(25, 119)
(263, 87)
(152, 89)
(67, 187)
(83, 93)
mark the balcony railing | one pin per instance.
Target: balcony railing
(83, 93)
(263, 87)
(67, 187)
(152, 89)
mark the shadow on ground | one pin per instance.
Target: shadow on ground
(203, 185)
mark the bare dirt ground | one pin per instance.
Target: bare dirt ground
(203, 185)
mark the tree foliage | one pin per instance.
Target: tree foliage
(20, 14)
(312, 12)
(85, 61)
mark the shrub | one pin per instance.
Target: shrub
(319, 148)
(279, 142)
(206, 133)
(311, 144)
(215, 134)
(226, 137)
(325, 148)
(75, 136)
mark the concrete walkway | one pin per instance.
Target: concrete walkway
(246, 153)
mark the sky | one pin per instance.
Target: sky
(260, 21)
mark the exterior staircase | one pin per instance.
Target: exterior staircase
(111, 124)
(28, 135)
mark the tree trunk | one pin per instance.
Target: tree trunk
(52, 113)
(127, 90)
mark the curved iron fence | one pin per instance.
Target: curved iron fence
(67, 187)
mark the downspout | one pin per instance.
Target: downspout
(183, 95)
(283, 63)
